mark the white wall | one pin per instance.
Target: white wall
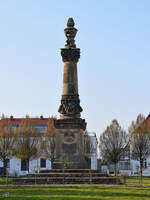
(94, 163)
(93, 140)
(136, 164)
(15, 166)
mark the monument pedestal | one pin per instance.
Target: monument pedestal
(70, 144)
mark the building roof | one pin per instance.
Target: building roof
(148, 119)
(16, 121)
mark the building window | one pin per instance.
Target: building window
(7, 163)
(124, 165)
(41, 128)
(23, 165)
(43, 163)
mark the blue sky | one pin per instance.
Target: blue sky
(114, 68)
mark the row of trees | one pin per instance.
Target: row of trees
(26, 142)
(114, 142)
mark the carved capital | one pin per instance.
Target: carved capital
(70, 54)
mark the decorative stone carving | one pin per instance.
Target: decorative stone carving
(70, 108)
(70, 123)
(69, 138)
(70, 105)
(70, 54)
(70, 33)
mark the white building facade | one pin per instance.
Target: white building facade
(94, 144)
(18, 167)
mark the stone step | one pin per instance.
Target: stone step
(67, 175)
(66, 180)
(69, 171)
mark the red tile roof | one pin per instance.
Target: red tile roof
(42, 121)
(148, 119)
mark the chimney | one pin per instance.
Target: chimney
(41, 117)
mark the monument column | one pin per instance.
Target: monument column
(70, 108)
(70, 137)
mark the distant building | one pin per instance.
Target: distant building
(18, 167)
(39, 123)
(94, 143)
(135, 164)
(127, 164)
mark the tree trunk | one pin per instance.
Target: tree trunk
(4, 166)
(52, 164)
(27, 163)
(141, 171)
(115, 165)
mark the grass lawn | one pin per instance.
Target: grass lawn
(4, 182)
(135, 180)
(75, 192)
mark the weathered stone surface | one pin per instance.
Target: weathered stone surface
(72, 55)
(70, 138)
(70, 33)
(69, 123)
(67, 176)
(70, 147)
(70, 102)
(70, 81)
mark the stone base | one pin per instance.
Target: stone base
(70, 149)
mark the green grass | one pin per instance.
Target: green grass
(75, 192)
(135, 180)
(3, 181)
(129, 180)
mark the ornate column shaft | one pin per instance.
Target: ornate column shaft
(70, 103)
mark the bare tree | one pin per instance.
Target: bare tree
(112, 143)
(140, 141)
(6, 141)
(48, 144)
(27, 141)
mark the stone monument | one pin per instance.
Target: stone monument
(71, 127)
